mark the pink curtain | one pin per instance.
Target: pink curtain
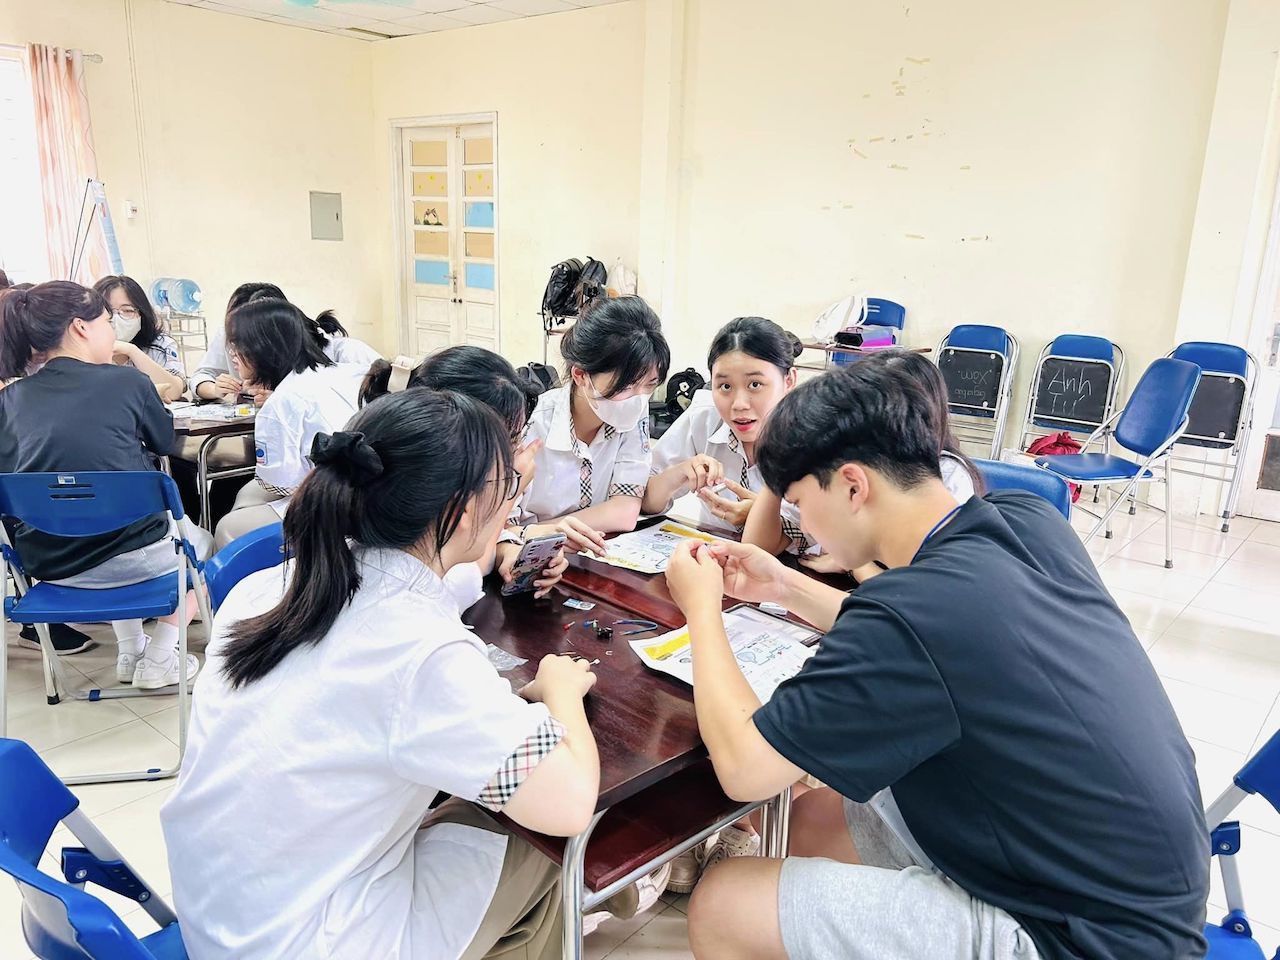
(64, 146)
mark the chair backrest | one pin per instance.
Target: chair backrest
(885, 313)
(1158, 407)
(60, 921)
(85, 504)
(998, 475)
(1224, 399)
(1261, 772)
(1074, 384)
(978, 336)
(257, 550)
(1214, 357)
(1082, 346)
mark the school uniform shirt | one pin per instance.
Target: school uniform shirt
(320, 400)
(217, 361)
(293, 831)
(73, 416)
(164, 351)
(573, 475)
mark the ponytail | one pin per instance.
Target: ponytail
(35, 320)
(327, 323)
(376, 383)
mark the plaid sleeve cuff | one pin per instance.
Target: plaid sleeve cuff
(503, 785)
(792, 531)
(627, 490)
(272, 488)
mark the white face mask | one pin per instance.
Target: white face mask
(619, 414)
(126, 329)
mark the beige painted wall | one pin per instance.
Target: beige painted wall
(1028, 165)
(240, 120)
(567, 92)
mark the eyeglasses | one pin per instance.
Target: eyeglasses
(129, 313)
(512, 480)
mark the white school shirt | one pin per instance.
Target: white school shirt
(164, 351)
(699, 430)
(293, 831)
(217, 361)
(320, 400)
(572, 475)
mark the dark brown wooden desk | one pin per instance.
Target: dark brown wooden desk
(210, 432)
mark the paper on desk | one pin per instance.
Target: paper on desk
(768, 649)
(648, 550)
(209, 411)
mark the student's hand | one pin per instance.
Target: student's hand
(562, 675)
(260, 393)
(579, 535)
(750, 573)
(695, 579)
(123, 350)
(823, 563)
(168, 393)
(700, 472)
(731, 511)
(508, 553)
(227, 385)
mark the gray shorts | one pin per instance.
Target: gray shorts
(888, 907)
(145, 563)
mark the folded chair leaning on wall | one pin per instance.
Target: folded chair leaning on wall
(1149, 425)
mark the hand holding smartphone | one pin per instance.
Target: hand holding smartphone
(535, 556)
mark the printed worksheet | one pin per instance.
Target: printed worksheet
(769, 649)
(648, 550)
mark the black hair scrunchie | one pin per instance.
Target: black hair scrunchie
(350, 452)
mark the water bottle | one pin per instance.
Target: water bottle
(178, 294)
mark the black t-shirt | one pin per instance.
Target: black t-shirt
(74, 416)
(997, 687)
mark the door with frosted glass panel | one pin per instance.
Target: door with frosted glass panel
(450, 273)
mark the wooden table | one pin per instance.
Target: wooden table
(210, 431)
(658, 794)
(827, 349)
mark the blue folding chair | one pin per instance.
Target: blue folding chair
(1221, 416)
(83, 505)
(1074, 387)
(998, 475)
(978, 407)
(1149, 425)
(257, 550)
(1233, 938)
(60, 921)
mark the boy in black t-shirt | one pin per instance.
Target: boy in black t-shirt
(1007, 777)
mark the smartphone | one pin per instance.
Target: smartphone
(534, 557)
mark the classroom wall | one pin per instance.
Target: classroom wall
(567, 93)
(219, 135)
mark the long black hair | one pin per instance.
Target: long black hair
(322, 327)
(618, 335)
(402, 473)
(922, 370)
(274, 337)
(35, 319)
(759, 338)
(150, 328)
(479, 373)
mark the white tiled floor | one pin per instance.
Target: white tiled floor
(1211, 627)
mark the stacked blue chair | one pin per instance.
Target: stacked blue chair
(998, 475)
(1074, 387)
(1149, 425)
(257, 550)
(83, 505)
(1232, 939)
(1221, 416)
(61, 921)
(978, 364)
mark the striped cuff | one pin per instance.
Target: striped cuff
(627, 490)
(503, 785)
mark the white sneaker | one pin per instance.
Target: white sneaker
(686, 870)
(154, 674)
(625, 904)
(732, 842)
(126, 666)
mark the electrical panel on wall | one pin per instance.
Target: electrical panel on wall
(326, 216)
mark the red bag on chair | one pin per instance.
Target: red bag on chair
(1059, 444)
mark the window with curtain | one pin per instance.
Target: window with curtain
(23, 251)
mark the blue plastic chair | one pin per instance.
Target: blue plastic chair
(879, 313)
(1149, 425)
(1235, 371)
(82, 505)
(998, 475)
(1232, 939)
(59, 919)
(257, 550)
(986, 424)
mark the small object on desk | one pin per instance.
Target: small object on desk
(591, 624)
(502, 660)
(573, 603)
(604, 633)
(569, 625)
(244, 410)
(777, 609)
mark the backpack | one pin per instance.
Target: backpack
(592, 284)
(558, 296)
(678, 395)
(1057, 444)
(542, 377)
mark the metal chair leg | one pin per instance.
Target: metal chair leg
(573, 881)
(1168, 517)
(1113, 505)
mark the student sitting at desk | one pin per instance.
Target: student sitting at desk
(1044, 799)
(342, 697)
(141, 342)
(219, 378)
(595, 455)
(81, 412)
(302, 393)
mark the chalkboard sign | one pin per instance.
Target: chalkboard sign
(1215, 411)
(1072, 394)
(972, 378)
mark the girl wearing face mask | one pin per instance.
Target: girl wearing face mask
(752, 364)
(594, 461)
(140, 342)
